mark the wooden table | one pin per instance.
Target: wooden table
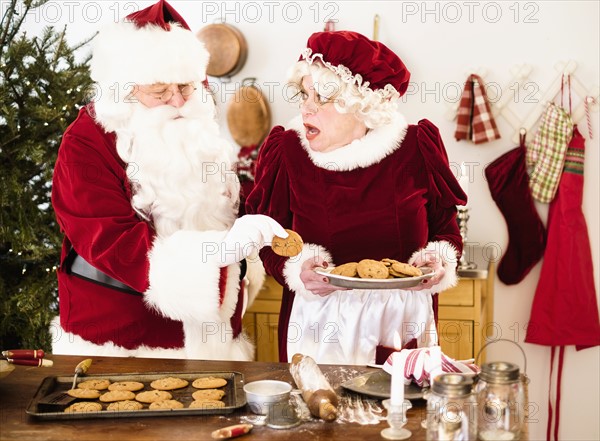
(17, 389)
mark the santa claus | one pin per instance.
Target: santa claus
(154, 260)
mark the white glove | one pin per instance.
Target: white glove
(249, 234)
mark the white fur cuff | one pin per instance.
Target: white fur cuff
(293, 266)
(449, 256)
(184, 275)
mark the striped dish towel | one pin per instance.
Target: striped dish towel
(421, 363)
(475, 121)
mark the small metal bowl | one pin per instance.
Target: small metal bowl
(262, 394)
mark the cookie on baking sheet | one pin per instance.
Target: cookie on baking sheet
(207, 404)
(208, 394)
(126, 385)
(209, 382)
(166, 404)
(121, 406)
(347, 269)
(169, 383)
(84, 406)
(86, 394)
(94, 384)
(116, 395)
(151, 396)
(372, 269)
(290, 246)
(407, 270)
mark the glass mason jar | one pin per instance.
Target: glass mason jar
(500, 399)
(451, 409)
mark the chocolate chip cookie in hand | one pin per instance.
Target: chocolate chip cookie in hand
(290, 246)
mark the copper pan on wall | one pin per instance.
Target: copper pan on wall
(248, 115)
(227, 48)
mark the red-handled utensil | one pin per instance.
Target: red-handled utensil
(232, 431)
(30, 362)
(23, 353)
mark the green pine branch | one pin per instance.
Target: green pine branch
(43, 83)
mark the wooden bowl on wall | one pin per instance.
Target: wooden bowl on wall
(248, 115)
(227, 48)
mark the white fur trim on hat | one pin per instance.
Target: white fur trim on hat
(389, 92)
(449, 256)
(125, 54)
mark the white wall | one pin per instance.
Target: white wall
(441, 42)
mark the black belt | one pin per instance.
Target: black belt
(81, 268)
(78, 266)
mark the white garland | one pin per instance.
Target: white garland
(389, 92)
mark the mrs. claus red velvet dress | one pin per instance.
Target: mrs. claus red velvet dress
(388, 194)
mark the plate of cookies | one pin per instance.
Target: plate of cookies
(376, 274)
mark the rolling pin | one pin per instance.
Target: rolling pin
(318, 394)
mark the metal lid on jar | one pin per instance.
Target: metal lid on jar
(452, 385)
(499, 372)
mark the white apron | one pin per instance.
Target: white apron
(345, 327)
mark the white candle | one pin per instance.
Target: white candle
(397, 393)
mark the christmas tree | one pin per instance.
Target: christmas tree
(42, 86)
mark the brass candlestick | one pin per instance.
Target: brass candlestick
(463, 219)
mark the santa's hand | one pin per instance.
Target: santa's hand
(247, 236)
(316, 283)
(433, 260)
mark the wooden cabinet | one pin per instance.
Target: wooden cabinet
(260, 321)
(465, 315)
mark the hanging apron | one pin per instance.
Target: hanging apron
(565, 308)
(348, 326)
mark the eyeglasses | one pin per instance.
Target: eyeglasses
(167, 93)
(301, 97)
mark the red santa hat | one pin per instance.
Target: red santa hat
(369, 64)
(153, 45)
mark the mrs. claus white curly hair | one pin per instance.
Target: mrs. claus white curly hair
(370, 108)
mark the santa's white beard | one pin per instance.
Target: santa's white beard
(180, 167)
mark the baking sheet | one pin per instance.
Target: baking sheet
(378, 384)
(358, 283)
(234, 395)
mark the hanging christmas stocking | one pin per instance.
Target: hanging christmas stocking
(509, 185)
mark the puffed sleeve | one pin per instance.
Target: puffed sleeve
(444, 194)
(271, 194)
